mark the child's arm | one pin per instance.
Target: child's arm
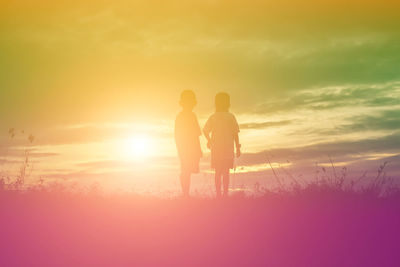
(207, 135)
(237, 144)
(236, 137)
(207, 130)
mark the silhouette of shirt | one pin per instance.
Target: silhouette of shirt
(222, 126)
(187, 132)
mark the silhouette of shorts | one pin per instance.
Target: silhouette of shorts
(222, 126)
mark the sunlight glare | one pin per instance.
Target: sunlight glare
(138, 147)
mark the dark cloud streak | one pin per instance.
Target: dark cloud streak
(261, 125)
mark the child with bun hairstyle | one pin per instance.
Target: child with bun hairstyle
(222, 133)
(187, 132)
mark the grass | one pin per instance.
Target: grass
(329, 220)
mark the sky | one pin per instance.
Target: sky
(97, 83)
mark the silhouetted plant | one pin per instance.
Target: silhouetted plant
(334, 182)
(19, 181)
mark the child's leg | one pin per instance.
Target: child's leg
(218, 175)
(225, 174)
(185, 183)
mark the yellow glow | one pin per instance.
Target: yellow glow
(138, 147)
(256, 167)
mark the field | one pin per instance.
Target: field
(317, 225)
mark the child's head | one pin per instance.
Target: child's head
(188, 99)
(222, 102)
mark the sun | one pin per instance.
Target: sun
(138, 147)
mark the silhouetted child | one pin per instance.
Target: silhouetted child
(224, 130)
(187, 132)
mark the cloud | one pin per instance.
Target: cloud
(317, 152)
(331, 97)
(90, 133)
(385, 120)
(266, 124)
(118, 164)
(7, 161)
(17, 152)
(381, 121)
